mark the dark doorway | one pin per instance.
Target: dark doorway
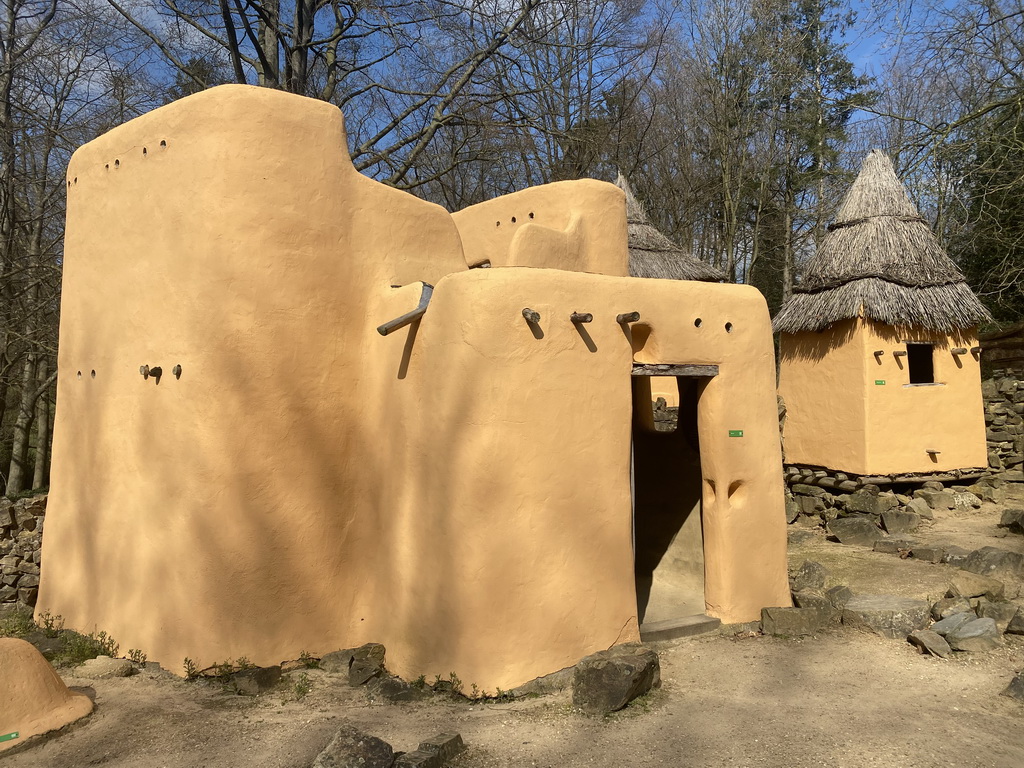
(667, 484)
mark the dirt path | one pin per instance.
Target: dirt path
(841, 699)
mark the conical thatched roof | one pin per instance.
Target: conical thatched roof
(651, 254)
(880, 260)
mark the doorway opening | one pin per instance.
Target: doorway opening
(667, 491)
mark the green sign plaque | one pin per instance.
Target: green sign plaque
(880, 382)
(735, 433)
(9, 736)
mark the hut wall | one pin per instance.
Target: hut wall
(905, 421)
(458, 490)
(543, 227)
(822, 381)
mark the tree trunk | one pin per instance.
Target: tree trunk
(19, 450)
(42, 429)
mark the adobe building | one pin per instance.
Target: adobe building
(653, 255)
(879, 363)
(291, 417)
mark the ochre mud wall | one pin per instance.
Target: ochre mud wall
(457, 490)
(849, 409)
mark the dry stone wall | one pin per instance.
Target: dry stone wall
(1004, 423)
(21, 535)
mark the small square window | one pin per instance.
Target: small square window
(919, 363)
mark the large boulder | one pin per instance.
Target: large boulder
(608, 680)
(351, 748)
(887, 615)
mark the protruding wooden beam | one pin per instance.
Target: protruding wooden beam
(409, 317)
(667, 369)
(627, 317)
(531, 315)
(959, 350)
(900, 353)
(581, 317)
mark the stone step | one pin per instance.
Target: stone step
(670, 629)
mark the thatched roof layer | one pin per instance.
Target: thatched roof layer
(651, 254)
(881, 261)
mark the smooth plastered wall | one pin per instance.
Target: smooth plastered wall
(457, 490)
(822, 381)
(853, 410)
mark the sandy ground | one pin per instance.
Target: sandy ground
(844, 699)
(841, 699)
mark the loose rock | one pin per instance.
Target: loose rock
(608, 680)
(928, 554)
(1015, 690)
(975, 636)
(964, 584)
(951, 623)
(793, 622)
(950, 606)
(1016, 625)
(103, 667)
(855, 530)
(256, 680)
(900, 522)
(993, 562)
(351, 748)
(887, 615)
(810, 575)
(929, 642)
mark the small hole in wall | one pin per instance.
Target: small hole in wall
(163, 142)
(106, 167)
(117, 163)
(76, 179)
(513, 219)
(497, 223)
(728, 327)
(92, 374)
(145, 151)
(531, 214)
(79, 374)
(697, 323)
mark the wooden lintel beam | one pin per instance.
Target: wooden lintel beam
(664, 369)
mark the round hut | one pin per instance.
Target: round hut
(879, 363)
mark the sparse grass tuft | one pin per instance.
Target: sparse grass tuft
(79, 647)
(302, 685)
(17, 623)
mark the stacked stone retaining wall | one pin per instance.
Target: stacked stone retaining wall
(21, 535)
(1004, 423)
